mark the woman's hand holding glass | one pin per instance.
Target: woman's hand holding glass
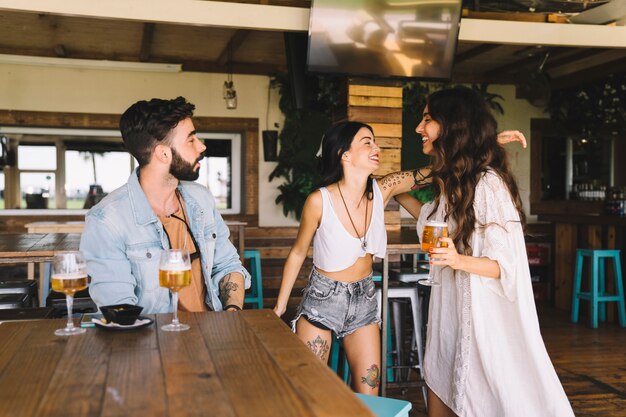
(445, 254)
(431, 238)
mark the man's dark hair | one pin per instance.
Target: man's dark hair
(147, 123)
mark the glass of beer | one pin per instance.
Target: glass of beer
(175, 273)
(69, 275)
(430, 239)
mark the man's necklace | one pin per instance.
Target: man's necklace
(363, 241)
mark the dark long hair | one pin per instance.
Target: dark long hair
(335, 142)
(467, 147)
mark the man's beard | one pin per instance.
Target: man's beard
(183, 170)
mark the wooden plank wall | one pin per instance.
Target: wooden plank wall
(381, 108)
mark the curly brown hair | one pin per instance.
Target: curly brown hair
(466, 149)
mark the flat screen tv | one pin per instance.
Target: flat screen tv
(384, 38)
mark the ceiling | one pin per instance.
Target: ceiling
(209, 49)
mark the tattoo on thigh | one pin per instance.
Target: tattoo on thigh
(373, 377)
(226, 288)
(319, 347)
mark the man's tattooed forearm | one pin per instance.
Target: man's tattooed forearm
(226, 288)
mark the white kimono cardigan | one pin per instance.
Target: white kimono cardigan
(484, 353)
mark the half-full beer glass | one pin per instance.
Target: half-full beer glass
(69, 275)
(430, 239)
(175, 273)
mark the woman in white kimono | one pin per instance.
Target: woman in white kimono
(484, 352)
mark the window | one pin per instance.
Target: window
(91, 175)
(37, 168)
(220, 170)
(1, 190)
(76, 168)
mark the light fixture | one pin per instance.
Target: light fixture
(89, 63)
(228, 91)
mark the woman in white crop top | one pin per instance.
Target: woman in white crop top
(345, 220)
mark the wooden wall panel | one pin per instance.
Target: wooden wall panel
(566, 241)
(381, 107)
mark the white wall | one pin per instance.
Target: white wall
(38, 88)
(517, 116)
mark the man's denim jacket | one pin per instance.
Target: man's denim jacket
(123, 240)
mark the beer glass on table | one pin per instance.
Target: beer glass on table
(175, 273)
(430, 239)
(69, 275)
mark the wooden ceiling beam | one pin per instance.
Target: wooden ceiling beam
(146, 42)
(474, 52)
(524, 62)
(590, 74)
(60, 51)
(231, 47)
(236, 67)
(577, 56)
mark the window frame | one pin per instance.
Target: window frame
(236, 167)
(51, 136)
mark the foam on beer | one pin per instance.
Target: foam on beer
(436, 224)
(175, 267)
(73, 275)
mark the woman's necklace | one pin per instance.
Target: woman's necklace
(363, 241)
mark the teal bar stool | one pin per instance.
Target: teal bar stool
(255, 295)
(386, 407)
(338, 358)
(596, 294)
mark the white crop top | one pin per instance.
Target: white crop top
(335, 249)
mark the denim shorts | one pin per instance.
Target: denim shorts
(342, 307)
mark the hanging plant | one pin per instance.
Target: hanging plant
(300, 138)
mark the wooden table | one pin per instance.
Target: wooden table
(51, 227)
(403, 241)
(228, 364)
(35, 247)
(78, 226)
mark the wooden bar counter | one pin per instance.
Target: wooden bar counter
(228, 364)
(580, 231)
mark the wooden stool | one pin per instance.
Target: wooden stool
(256, 288)
(596, 294)
(386, 407)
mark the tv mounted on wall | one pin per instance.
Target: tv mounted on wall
(384, 38)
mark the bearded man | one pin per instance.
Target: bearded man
(160, 207)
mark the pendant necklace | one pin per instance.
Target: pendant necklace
(363, 241)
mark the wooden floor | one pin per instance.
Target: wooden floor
(591, 364)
